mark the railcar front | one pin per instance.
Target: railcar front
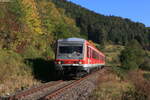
(70, 56)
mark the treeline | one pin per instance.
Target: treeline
(102, 29)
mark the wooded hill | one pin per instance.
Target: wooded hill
(28, 31)
(102, 29)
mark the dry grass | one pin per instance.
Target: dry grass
(110, 88)
(142, 85)
(17, 84)
(112, 53)
(14, 74)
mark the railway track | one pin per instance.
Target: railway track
(77, 90)
(61, 90)
(38, 92)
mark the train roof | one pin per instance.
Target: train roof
(72, 39)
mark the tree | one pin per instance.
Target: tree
(146, 64)
(132, 56)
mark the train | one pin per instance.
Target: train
(77, 57)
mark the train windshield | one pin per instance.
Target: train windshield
(70, 49)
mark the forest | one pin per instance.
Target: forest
(101, 29)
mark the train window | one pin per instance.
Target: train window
(88, 52)
(102, 58)
(94, 54)
(70, 49)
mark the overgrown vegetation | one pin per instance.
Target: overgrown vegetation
(110, 87)
(132, 56)
(28, 32)
(130, 82)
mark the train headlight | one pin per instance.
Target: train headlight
(59, 62)
(80, 62)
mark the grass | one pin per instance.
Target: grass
(133, 87)
(18, 73)
(146, 75)
(112, 53)
(142, 86)
(110, 87)
(121, 84)
(14, 74)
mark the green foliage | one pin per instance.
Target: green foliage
(2, 15)
(16, 8)
(120, 72)
(29, 30)
(146, 76)
(133, 95)
(12, 64)
(132, 56)
(31, 52)
(49, 53)
(101, 29)
(146, 64)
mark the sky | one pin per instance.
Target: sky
(136, 10)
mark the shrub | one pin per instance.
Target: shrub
(133, 95)
(120, 72)
(146, 64)
(142, 86)
(132, 56)
(146, 76)
(11, 65)
(31, 52)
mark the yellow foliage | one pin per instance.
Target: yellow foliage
(90, 41)
(69, 21)
(31, 18)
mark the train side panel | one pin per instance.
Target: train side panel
(93, 58)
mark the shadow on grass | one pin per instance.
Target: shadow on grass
(42, 69)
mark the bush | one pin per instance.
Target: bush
(146, 76)
(142, 86)
(11, 65)
(31, 52)
(133, 95)
(146, 64)
(120, 72)
(132, 56)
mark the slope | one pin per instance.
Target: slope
(101, 29)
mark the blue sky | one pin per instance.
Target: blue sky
(136, 10)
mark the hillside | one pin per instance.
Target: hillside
(28, 32)
(102, 29)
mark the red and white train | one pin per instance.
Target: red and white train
(76, 55)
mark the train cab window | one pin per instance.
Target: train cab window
(70, 49)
